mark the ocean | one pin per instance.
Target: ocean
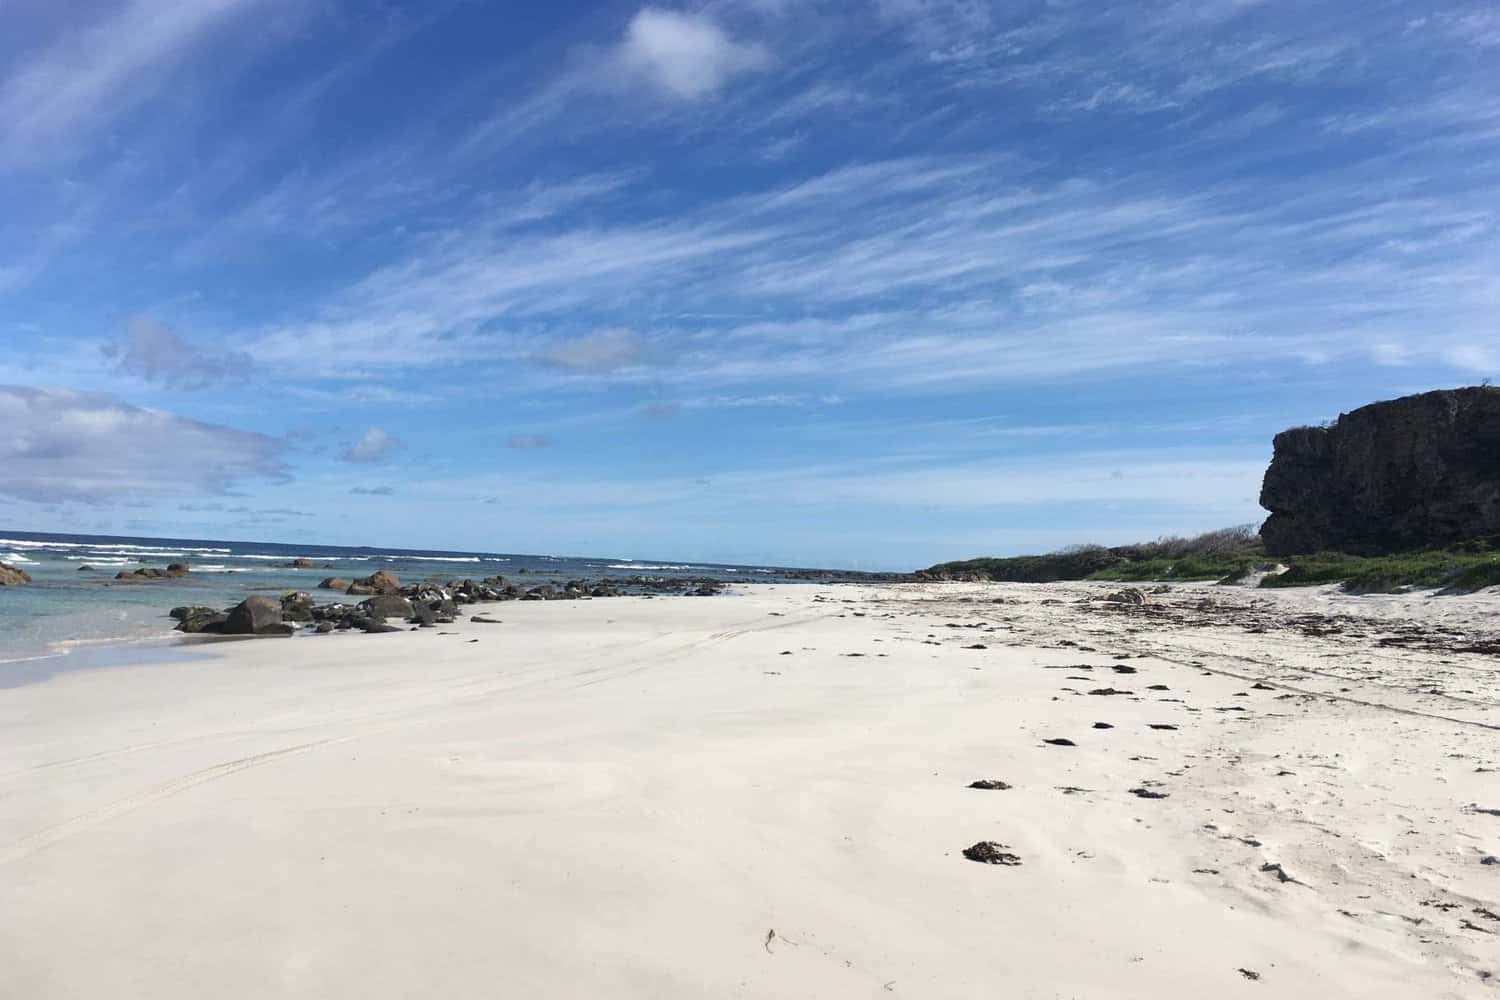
(68, 608)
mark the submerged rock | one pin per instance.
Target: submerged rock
(172, 572)
(12, 576)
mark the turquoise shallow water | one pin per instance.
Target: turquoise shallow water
(68, 609)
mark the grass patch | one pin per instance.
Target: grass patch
(1453, 569)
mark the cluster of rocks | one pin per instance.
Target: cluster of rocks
(841, 576)
(11, 576)
(172, 572)
(422, 605)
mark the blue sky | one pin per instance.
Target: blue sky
(867, 284)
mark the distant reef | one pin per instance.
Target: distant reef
(1417, 472)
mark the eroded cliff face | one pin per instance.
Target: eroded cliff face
(1412, 472)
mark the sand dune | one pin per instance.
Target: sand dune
(765, 795)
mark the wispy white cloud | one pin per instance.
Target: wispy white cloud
(51, 100)
(929, 271)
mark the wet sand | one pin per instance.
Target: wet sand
(765, 795)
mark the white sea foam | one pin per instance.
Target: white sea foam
(163, 550)
(14, 557)
(452, 559)
(646, 566)
(115, 547)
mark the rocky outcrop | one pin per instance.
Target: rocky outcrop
(172, 572)
(10, 576)
(334, 583)
(1417, 472)
(379, 582)
(422, 604)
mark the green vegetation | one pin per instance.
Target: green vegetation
(1233, 554)
(1229, 552)
(1466, 567)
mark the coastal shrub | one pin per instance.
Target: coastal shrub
(1209, 556)
(1231, 554)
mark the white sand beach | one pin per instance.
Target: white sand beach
(764, 795)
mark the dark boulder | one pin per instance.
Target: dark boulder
(386, 606)
(333, 583)
(302, 562)
(255, 616)
(297, 606)
(196, 619)
(1416, 472)
(377, 628)
(11, 576)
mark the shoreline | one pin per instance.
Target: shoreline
(764, 794)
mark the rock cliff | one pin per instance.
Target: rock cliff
(1420, 471)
